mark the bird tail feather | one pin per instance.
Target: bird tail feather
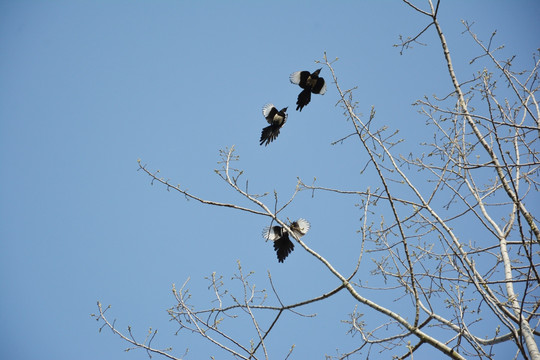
(269, 134)
(303, 99)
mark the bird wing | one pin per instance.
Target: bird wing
(300, 227)
(269, 111)
(320, 87)
(272, 232)
(295, 77)
(299, 78)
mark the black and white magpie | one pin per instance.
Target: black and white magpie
(280, 236)
(276, 119)
(311, 83)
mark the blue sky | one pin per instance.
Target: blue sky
(89, 87)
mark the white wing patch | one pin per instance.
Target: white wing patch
(323, 90)
(295, 77)
(266, 109)
(270, 234)
(303, 226)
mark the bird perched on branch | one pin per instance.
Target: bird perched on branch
(280, 236)
(311, 83)
(276, 119)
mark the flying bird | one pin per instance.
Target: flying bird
(280, 236)
(276, 119)
(311, 83)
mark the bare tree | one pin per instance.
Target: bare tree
(479, 170)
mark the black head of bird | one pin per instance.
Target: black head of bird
(316, 73)
(280, 236)
(276, 119)
(311, 83)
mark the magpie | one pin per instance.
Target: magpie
(276, 119)
(280, 236)
(311, 83)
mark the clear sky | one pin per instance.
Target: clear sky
(89, 87)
